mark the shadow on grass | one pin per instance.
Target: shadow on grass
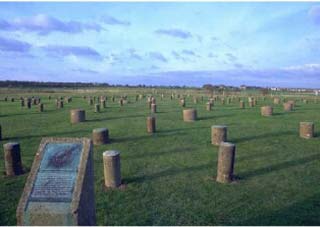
(253, 156)
(54, 134)
(178, 130)
(163, 112)
(20, 114)
(115, 118)
(214, 117)
(316, 134)
(263, 136)
(29, 113)
(280, 114)
(134, 138)
(160, 153)
(278, 167)
(302, 213)
(165, 173)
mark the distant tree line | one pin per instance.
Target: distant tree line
(208, 87)
(33, 84)
(14, 83)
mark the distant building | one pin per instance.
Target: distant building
(243, 87)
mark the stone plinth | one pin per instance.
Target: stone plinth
(153, 100)
(242, 105)
(287, 106)
(103, 103)
(41, 107)
(77, 115)
(151, 124)
(183, 102)
(60, 104)
(12, 159)
(218, 134)
(96, 108)
(100, 136)
(195, 100)
(292, 102)
(112, 171)
(306, 130)
(266, 111)
(276, 100)
(209, 106)
(29, 104)
(153, 108)
(226, 159)
(189, 115)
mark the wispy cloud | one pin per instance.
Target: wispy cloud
(214, 39)
(231, 57)
(238, 76)
(43, 25)
(211, 55)
(85, 71)
(14, 45)
(218, 42)
(237, 65)
(306, 68)
(190, 53)
(178, 33)
(178, 56)
(78, 51)
(199, 38)
(314, 14)
(158, 56)
(185, 55)
(126, 56)
(114, 21)
(133, 54)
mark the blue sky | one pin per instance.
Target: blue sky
(166, 43)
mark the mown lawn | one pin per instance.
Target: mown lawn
(169, 175)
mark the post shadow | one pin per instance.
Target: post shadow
(54, 134)
(165, 173)
(135, 138)
(279, 113)
(262, 136)
(159, 153)
(115, 118)
(301, 213)
(214, 117)
(278, 167)
(164, 131)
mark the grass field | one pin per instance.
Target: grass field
(169, 175)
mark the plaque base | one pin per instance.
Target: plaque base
(42, 213)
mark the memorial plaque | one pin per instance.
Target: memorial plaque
(60, 186)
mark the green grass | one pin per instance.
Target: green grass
(169, 175)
